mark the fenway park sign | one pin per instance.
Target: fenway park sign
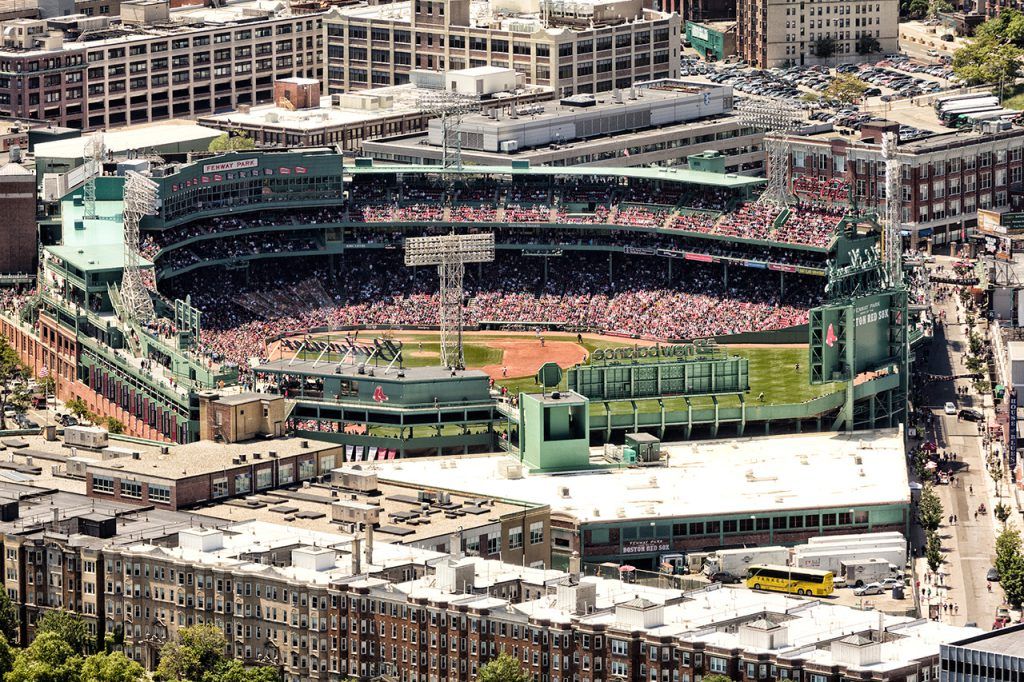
(682, 350)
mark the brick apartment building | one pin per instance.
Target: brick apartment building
(167, 65)
(946, 177)
(18, 232)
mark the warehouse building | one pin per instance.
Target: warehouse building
(700, 496)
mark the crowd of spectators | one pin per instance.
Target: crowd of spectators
(636, 298)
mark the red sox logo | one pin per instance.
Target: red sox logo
(830, 337)
(378, 394)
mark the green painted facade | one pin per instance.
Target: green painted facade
(555, 431)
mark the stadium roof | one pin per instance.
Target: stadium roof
(96, 257)
(767, 475)
(728, 180)
(166, 138)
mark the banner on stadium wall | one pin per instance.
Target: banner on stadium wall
(755, 264)
(639, 251)
(781, 268)
(231, 165)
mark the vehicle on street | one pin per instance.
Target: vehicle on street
(869, 589)
(992, 576)
(933, 53)
(970, 414)
(790, 579)
(725, 577)
(949, 408)
(890, 583)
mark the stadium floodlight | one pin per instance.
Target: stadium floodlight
(891, 241)
(450, 253)
(449, 107)
(140, 199)
(95, 150)
(778, 120)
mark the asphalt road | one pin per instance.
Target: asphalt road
(969, 545)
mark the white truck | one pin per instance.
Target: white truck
(736, 561)
(828, 558)
(865, 571)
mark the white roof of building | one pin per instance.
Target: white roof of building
(759, 475)
(130, 139)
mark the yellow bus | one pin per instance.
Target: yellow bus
(790, 579)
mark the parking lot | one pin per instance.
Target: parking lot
(896, 83)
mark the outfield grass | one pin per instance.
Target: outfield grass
(772, 369)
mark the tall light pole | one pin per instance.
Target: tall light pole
(140, 199)
(777, 120)
(450, 253)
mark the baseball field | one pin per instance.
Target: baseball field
(512, 359)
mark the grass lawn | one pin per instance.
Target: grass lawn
(772, 369)
(1013, 98)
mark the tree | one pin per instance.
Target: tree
(47, 659)
(1012, 581)
(717, 677)
(1002, 512)
(933, 552)
(115, 667)
(6, 657)
(1008, 544)
(114, 425)
(199, 648)
(69, 627)
(846, 88)
(234, 671)
(78, 407)
(13, 392)
(231, 143)
(867, 44)
(985, 59)
(915, 9)
(930, 509)
(824, 47)
(504, 668)
(8, 618)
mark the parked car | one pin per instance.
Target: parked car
(725, 577)
(869, 589)
(949, 408)
(992, 576)
(933, 53)
(889, 583)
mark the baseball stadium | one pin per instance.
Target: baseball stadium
(664, 300)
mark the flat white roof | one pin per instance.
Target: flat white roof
(141, 138)
(739, 476)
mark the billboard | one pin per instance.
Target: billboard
(990, 222)
(621, 381)
(864, 322)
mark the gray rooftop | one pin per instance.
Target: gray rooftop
(330, 369)
(1009, 642)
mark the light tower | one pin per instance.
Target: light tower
(891, 241)
(777, 120)
(140, 199)
(95, 150)
(450, 253)
(450, 107)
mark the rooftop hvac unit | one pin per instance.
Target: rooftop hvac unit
(563, 492)
(272, 117)
(510, 146)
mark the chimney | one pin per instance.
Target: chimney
(56, 517)
(357, 567)
(369, 545)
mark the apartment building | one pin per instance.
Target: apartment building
(773, 33)
(587, 47)
(946, 177)
(159, 63)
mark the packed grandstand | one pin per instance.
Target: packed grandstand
(576, 256)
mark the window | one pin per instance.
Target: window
(131, 489)
(515, 538)
(264, 478)
(103, 485)
(159, 493)
(536, 533)
(243, 483)
(220, 487)
(717, 665)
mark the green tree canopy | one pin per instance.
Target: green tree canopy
(13, 392)
(930, 509)
(504, 668)
(867, 44)
(229, 143)
(8, 618)
(234, 671)
(113, 667)
(78, 407)
(47, 659)
(846, 88)
(823, 47)
(69, 627)
(933, 552)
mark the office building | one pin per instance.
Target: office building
(996, 655)
(588, 47)
(159, 63)
(655, 123)
(18, 232)
(773, 33)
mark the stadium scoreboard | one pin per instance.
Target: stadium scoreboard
(855, 336)
(681, 376)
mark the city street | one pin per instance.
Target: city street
(969, 544)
